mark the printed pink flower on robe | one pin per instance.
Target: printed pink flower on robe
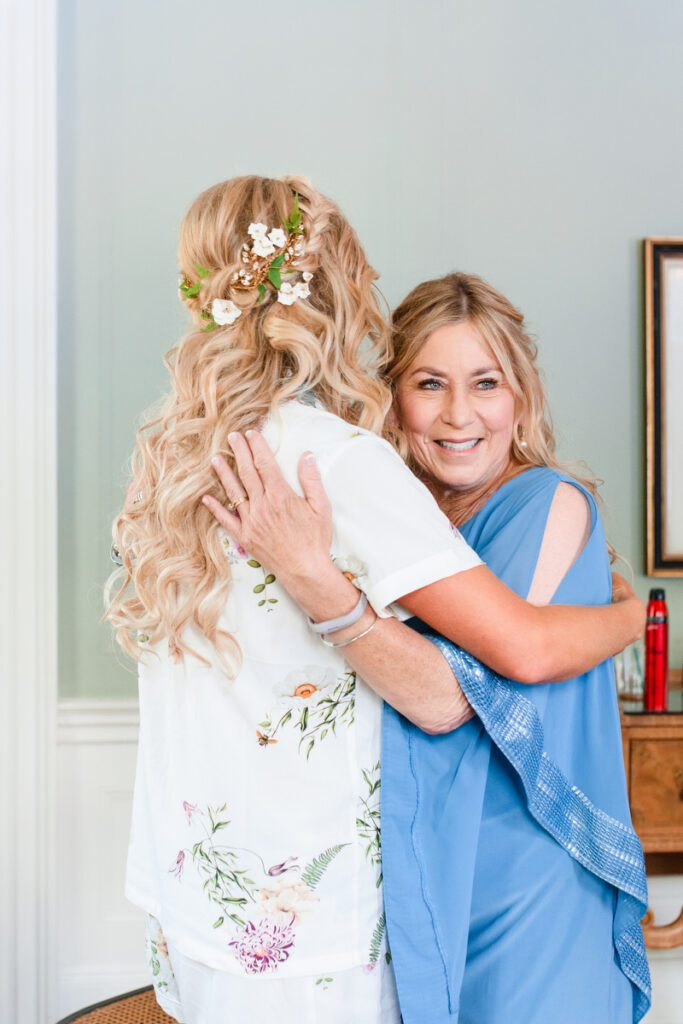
(177, 868)
(190, 809)
(263, 945)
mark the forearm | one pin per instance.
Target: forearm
(406, 669)
(473, 608)
(527, 643)
(571, 640)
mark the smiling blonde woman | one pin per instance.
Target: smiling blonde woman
(514, 882)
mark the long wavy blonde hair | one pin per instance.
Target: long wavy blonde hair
(455, 299)
(335, 343)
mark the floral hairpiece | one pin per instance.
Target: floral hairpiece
(272, 252)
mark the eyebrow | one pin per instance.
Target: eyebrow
(439, 373)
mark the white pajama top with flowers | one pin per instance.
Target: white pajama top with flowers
(255, 839)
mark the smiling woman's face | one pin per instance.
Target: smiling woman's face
(457, 409)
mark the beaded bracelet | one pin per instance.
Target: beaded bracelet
(334, 625)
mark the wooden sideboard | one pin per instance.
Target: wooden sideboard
(653, 757)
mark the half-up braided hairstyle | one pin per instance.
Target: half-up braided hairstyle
(334, 343)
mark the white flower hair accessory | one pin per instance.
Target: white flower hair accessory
(272, 253)
(289, 293)
(225, 312)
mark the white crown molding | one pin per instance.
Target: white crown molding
(28, 511)
(97, 721)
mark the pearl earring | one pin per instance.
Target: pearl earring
(522, 442)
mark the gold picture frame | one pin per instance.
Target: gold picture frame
(664, 405)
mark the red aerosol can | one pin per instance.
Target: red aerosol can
(656, 653)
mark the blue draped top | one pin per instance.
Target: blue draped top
(561, 745)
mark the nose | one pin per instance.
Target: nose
(458, 410)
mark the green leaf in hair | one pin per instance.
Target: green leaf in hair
(293, 222)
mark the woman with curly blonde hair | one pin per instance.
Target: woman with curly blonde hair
(255, 846)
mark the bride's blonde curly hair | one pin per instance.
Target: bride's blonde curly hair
(335, 343)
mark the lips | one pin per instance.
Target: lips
(459, 446)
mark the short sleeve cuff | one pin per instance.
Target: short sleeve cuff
(386, 592)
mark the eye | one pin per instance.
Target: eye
(487, 384)
(429, 384)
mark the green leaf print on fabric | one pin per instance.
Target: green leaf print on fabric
(368, 820)
(263, 917)
(369, 833)
(157, 955)
(262, 588)
(313, 703)
(314, 871)
(376, 941)
(225, 883)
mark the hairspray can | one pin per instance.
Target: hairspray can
(656, 652)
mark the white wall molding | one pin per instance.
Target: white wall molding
(97, 721)
(28, 511)
(100, 947)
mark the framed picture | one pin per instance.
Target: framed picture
(664, 381)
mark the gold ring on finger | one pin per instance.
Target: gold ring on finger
(232, 505)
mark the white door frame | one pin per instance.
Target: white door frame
(28, 509)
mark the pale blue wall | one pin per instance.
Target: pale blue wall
(533, 143)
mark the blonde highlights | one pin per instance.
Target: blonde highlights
(335, 344)
(459, 298)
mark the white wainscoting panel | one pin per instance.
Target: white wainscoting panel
(101, 936)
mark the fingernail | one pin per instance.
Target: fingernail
(232, 436)
(250, 433)
(215, 460)
(206, 499)
(309, 457)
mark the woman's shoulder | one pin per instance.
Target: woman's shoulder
(296, 427)
(543, 484)
(553, 503)
(308, 426)
(523, 504)
(309, 419)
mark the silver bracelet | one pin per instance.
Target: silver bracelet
(334, 625)
(352, 639)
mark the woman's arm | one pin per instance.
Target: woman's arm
(472, 608)
(566, 533)
(403, 667)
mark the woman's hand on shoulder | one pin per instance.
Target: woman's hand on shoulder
(289, 534)
(623, 593)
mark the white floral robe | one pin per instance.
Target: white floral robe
(255, 840)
